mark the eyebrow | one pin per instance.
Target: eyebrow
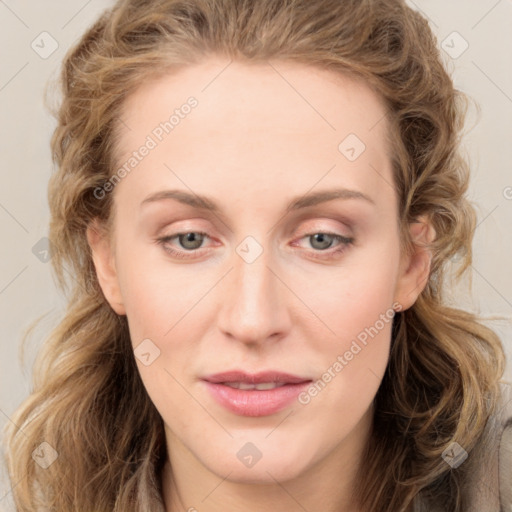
(305, 201)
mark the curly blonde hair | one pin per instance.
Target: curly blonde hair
(88, 401)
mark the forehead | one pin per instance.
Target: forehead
(289, 96)
(256, 123)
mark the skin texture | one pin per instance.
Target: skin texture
(260, 136)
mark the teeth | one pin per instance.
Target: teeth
(261, 386)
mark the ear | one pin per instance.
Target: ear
(415, 266)
(104, 263)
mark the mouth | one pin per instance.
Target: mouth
(265, 377)
(259, 394)
(246, 385)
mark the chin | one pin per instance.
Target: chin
(267, 465)
(259, 474)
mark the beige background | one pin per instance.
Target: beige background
(483, 70)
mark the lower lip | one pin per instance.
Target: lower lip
(255, 402)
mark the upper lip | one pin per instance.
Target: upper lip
(255, 378)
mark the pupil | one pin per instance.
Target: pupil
(319, 237)
(191, 237)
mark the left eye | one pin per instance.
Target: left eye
(191, 240)
(325, 240)
(323, 243)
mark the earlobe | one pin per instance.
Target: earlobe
(415, 267)
(103, 258)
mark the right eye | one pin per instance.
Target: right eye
(191, 241)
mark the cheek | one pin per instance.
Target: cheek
(356, 305)
(361, 320)
(353, 361)
(156, 293)
(354, 296)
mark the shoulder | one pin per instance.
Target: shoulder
(505, 449)
(489, 484)
(492, 482)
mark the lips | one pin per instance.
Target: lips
(259, 394)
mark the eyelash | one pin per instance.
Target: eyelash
(338, 250)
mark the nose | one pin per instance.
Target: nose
(254, 306)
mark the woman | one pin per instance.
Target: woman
(258, 202)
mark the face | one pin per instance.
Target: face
(257, 233)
